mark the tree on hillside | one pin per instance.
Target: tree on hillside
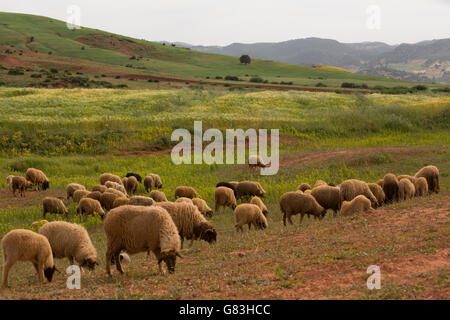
(245, 59)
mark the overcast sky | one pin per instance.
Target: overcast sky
(221, 22)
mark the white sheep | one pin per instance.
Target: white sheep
(249, 214)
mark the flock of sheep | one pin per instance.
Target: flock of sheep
(136, 224)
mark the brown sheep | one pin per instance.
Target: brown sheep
(249, 189)
(94, 195)
(21, 184)
(131, 184)
(141, 201)
(303, 187)
(328, 197)
(224, 197)
(249, 214)
(202, 207)
(184, 199)
(431, 173)
(257, 201)
(380, 183)
(107, 200)
(378, 193)
(54, 205)
(109, 177)
(352, 188)
(421, 186)
(79, 194)
(292, 203)
(37, 178)
(72, 187)
(358, 204)
(406, 189)
(88, 206)
(152, 181)
(158, 196)
(405, 176)
(99, 187)
(390, 187)
(319, 183)
(121, 202)
(185, 191)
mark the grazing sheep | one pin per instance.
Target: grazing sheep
(107, 200)
(100, 188)
(115, 185)
(405, 176)
(390, 187)
(137, 229)
(378, 193)
(72, 187)
(152, 181)
(141, 201)
(232, 186)
(26, 245)
(94, 195)
(255, 162)
(224, 197)
(9, 181)
(352, 188)
(37, 178)
(121, 202)
(21, 184)
(202, 207)
(319, 183)
(131, 184)
(184, 199)
(249, 214)
(138, 177)
(249, 188)
(292, 203)
(185, 191)
(233, 183)
(109, 177)
(158, 196)
(257, 201)
(380, 183)
(421, 186)
(191, 224)
(70, 240)
(116, 192)
(431, 173)
(358, 204)
(88, 206)
(328, 197)
(406, 189)
(79, 194)
(54, 205)
(37, 224)
(303, 187)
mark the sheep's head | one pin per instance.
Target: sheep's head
(265, 213)
(170, 258)
(89, 263)
(209, 213)
(45, 185)
(233, 206)
(48, 272)
(205, 231)
(261, 224)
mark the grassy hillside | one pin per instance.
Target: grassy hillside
(36, 43)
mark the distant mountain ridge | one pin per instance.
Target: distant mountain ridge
(422, 61)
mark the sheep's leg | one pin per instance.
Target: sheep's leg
(301, 217)
(182, 241)
(284, 219)
(40, 272)
(6, 267)
(249, 226)
(290, 219)
(108, 261)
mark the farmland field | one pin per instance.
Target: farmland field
(76, 135)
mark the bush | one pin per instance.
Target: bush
(348, 85)
(54, 70)
(257, 80)
(245, 59)
(15, 72)
(117, 77)
(219, 77)
(320, 84)
(232, 78)
(36, 75)
(420, 87)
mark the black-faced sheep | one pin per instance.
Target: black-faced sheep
(249, 214)
(406, 189)
(72, 187)
(54, 205)
(202, 207)
(26, 245)
(378, 193)
(137, 229)
(257, 201)
(37, 178)
(224, 197)
(20, 184)
(79, 194)
(431, 173)
(185, 191)
(158, 196)
(249, 189)
(328, 197)
(292, 203)
(70, 240)
(352, 188)
(390, 187)
(88, 206)
(191, 224)
(232, 186)
(358, 204)
(109, 177)
(303, 187)
(137, 176)
(131, 184)
(421, 186)
(141, 201)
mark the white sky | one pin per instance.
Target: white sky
(221, 22)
